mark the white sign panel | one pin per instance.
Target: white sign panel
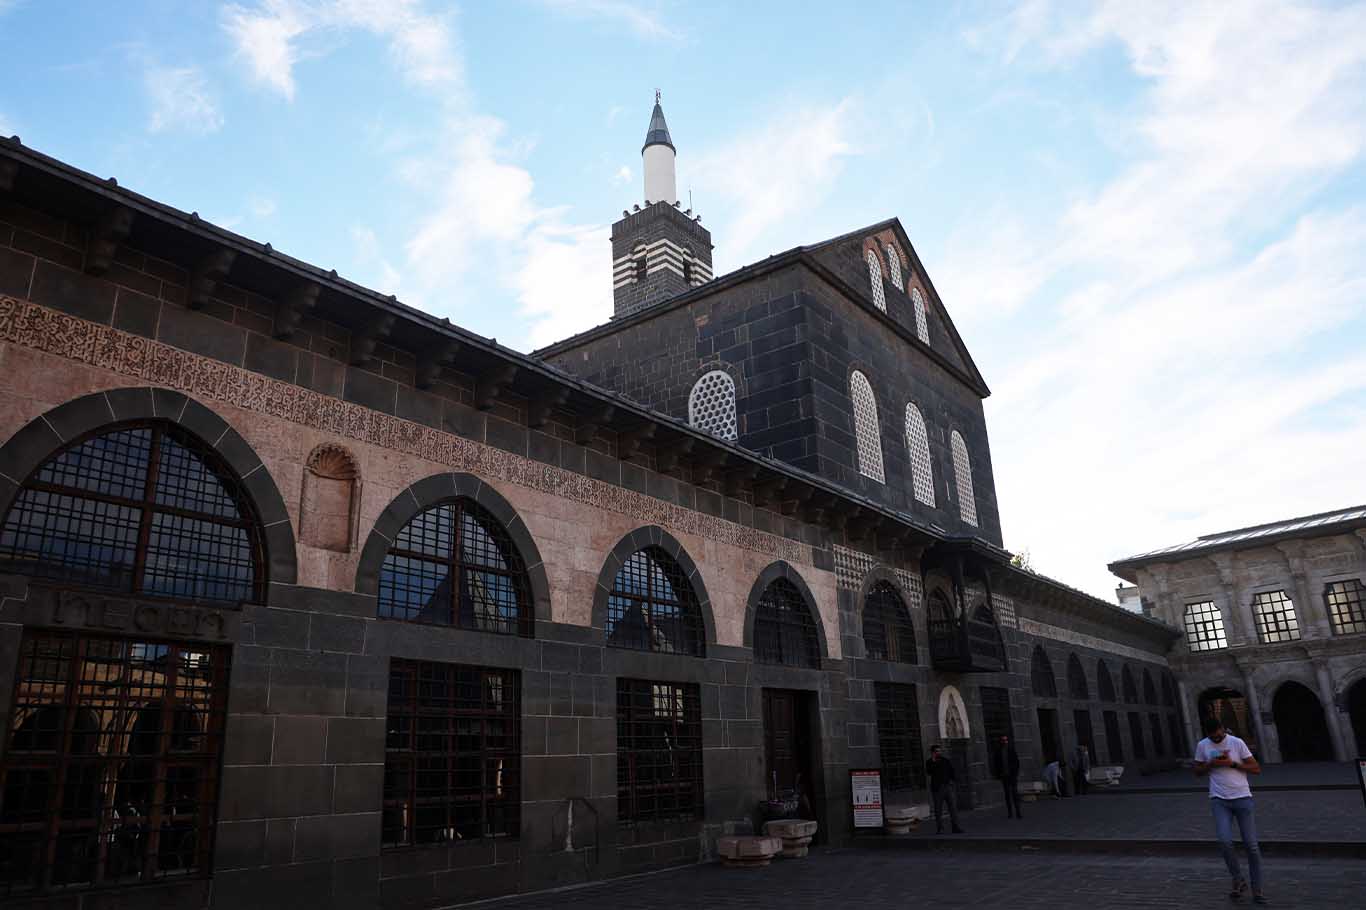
(866, 787)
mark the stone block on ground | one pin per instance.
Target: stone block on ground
(795, 835)
(745, 852)
(900, 819)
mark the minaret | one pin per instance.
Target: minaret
(658, 250)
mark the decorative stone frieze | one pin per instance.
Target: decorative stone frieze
(1082, 640)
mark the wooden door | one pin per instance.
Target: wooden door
(787, 750)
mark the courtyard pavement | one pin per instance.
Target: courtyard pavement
(1309, 775)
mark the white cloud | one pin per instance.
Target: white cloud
(643, 22)
(261, 206)
(623, 176)
(265, 39)
(180, 101)
(1170, 390)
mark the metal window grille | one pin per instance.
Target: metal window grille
(943, 628)
(962, 475)
(1126, 677)
(985, 646)
(1105, 683)
(887, 630)
(1155, 725)
(995, 722)
(1149, 689)
(142, 509)
(922, 327)
(1275, 616)
(918, 446)
(1136, 734)
(784, 632)
(659, 751)
(652, 606)
(1344, 600)
(1205, 627)
(875, 279)
(866, 433)
(1041, 675)
(898, 736)
(894, 268)
(454, 564)
(112, 771)
(452, 754)
(711, 405)
(1076, 679)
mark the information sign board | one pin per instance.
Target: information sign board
(866, 789)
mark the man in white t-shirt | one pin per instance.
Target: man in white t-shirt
(1227, 761)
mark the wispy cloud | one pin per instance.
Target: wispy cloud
(180, 101)
(261, 206)
(1171, 371)
(636, 17)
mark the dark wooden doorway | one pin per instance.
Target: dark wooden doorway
(1300, 724)
(1048, 735)
(962, 767)
(790, 747)
(1114, 746)
(1081, 719)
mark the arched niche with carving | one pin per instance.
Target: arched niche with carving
(953, 714)
(330, 507)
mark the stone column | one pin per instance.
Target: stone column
(1341, 750)
(1189, 715)
(1239, 625)
(1254, 707)
(1312, 612)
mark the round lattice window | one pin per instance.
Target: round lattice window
(711, 405)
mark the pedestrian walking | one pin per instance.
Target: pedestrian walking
(940, 772)
(1081, 769)
(1052, 775)
(1008, 770)
(1227, 761)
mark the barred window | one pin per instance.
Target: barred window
(652, 606)
(1136, 734)
(887, 630)
(452, 754)
(144, 509)
(1205, 627)
(659, 751)
(985, 645)
(894, 268)
(1105, 684)
(922, 328)
(962, 475)
(784, 632)
(454, 564)
(1344, 606)
(875, 279)
(918, 448)
(1149, 689)
(1076, 680)
(112, 772)
(898, 736)
(711, 405)
(1126, 677)
(866, 432)
(1275, 616)
(1041, 675)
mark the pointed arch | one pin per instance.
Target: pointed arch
(1105, 683)
(962, 476)
(1126, 676)
(918, 451)
(894, 267)
(1041, 674)
(1149, 688)
(711, 405)
(782, 623)
(867, 432)
(887, 630)
(1076, 679)
(875, 280)
(627, 602)
(922, 326)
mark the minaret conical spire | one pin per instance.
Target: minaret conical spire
(659, 154)
(658, 131)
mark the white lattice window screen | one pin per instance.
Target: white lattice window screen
(962, 477)
(875, 279)
(1205, 627)
(711, 405)
(918, 447)
(866, 433)
(1275, 615)
(922, 328)
(894, 268)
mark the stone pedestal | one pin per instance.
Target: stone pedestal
(795, 834)
(901, 819)
(746, 852)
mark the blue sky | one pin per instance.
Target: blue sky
(1147, 220)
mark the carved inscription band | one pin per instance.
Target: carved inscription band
(37, 327)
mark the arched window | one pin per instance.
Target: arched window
(143, 509)
(1041, 674)
(1105, 683)
(894, 268)
(1149, 689)
(784, 632)
(918, 449)
(943, 627)
(652, 606)
(887, 630)
(642, 266)
(962, 477)
(1076, 680)
(711, 405)
(922, 327)
(984, 639)
(1205, 627)
(1344, 599)
(875, 279)
(866, 433)
(1130, 688)
(454, 564)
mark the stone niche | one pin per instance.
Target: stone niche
(331, 499)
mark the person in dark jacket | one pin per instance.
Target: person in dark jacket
(940, 772)
(1008, 770)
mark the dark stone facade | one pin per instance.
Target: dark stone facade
(665, 275)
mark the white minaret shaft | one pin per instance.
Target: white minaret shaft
(661, 183)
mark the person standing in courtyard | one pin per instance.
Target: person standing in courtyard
(1227, 761)
(1081, 769)
(1008, 770)
(940, 772)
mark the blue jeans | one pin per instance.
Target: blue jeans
(1225, 811)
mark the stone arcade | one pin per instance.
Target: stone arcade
(310, 598)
